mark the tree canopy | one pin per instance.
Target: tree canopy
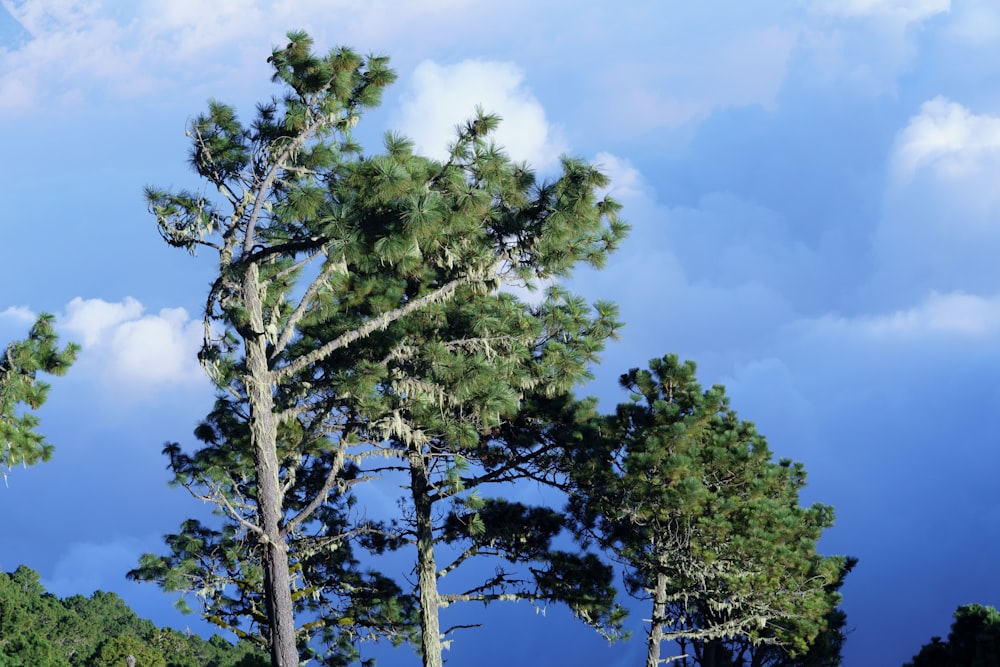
(825, 649)
(709, 529)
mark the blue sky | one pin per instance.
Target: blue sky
(813, 187)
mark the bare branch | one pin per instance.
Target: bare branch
(449, 599)
(219, 499)
(313, 245)
(461, 627)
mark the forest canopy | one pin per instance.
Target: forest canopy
(37, 628)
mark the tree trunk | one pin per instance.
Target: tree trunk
(430, 602)
(278, 600)
(656, 623)
(264, 436)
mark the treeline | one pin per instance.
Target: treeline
(364, 324)
(38, 629)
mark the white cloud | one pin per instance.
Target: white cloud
(194, 26)
(940, 221)
(952, 315)
(94, 320)
(444, 96)
(79, 52)
(975, 23)
(159, 348)
(690, 79)
(14, 324)
(71, 45)
(866, 44)
(18, 314)
(948, 139)
(198, 27)
(138, 350)
(626, 181)
(905, 11)
(39, 16)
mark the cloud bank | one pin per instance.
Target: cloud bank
(939, 225)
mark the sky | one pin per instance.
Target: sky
(812, 187)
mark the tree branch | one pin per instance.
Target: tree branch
(312, 244)
(320, 496)
(218, 498)
(460, 627)
(369, 327)
(249, 239)
(450, 598)
(466, 555)
(289, 330)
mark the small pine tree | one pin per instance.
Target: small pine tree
(685, 495)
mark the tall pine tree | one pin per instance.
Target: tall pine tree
(326, 257)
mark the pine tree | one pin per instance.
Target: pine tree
(480, 402)
(327, 260)
(20, 389)
(685, 495)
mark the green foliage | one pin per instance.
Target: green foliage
(21, 390)
(974, 641)
(36, 628)
(708, 527)
(478, 401)
(824, 649)
(114, 652)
